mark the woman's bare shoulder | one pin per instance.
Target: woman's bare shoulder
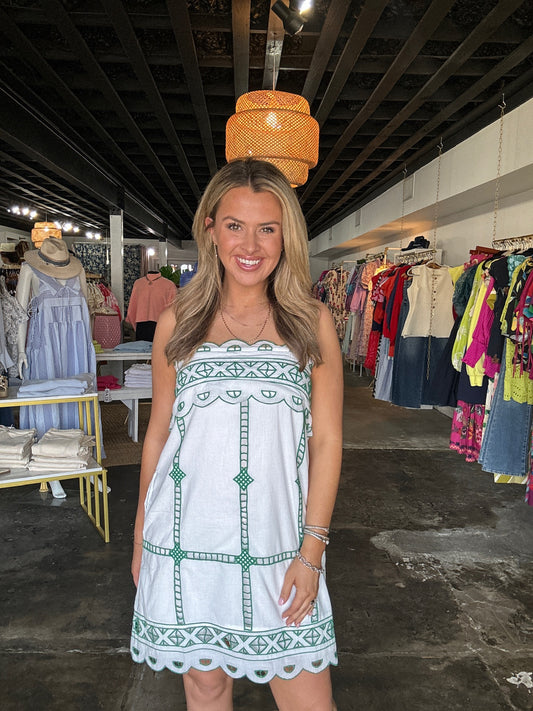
(167, 320)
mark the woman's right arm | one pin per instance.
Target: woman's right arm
(163, 387)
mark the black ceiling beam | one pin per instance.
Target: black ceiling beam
(181, 25)
(475, 39)
(323, 49)
(366, 64)
(48, 201)
(515, 58)
(126, 34)
(34, 58)
(363, 28)
(421, 34)
(68, 29)
(516, 93)
(28, 135)
(24, 94)
(240, 62)
(447, 31)
(43, 202)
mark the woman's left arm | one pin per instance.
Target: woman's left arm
(325, 455)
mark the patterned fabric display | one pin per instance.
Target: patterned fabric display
(224, 518)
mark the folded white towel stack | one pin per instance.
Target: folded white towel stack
(138, 376)
(15, 447)
(61, 451)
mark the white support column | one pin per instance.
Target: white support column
(163, 253)
(116, 231)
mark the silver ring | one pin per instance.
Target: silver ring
(312, 603)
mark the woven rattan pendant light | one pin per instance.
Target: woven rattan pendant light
(277, 127)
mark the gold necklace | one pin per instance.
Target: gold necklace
(244, 339)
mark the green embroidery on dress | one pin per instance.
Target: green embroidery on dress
(282, 370)
(294, 389)
(243, 479)
(302, 447)
(177, 553)
(244, 643)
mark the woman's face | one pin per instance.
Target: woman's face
(248, 235)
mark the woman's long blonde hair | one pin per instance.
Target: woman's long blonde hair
(295, 311)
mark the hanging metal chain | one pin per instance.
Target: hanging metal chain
(433, 287)
(498, 170)
(436, 207)
(403, 205)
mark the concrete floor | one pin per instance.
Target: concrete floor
(430, 570)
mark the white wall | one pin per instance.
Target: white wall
(466, 199)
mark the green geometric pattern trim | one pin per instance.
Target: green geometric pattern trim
(281, 370)
(241, 559)
(178, 475)
(243, 479)
(313, 636)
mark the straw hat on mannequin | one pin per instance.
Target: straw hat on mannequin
(54, 259)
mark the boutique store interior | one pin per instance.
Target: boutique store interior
(405, 129)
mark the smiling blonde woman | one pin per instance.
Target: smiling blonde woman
(235, 502)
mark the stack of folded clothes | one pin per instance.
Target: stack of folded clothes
(105, 382)
(15, 447)
(61, 451)
(138, 376)
(74, 385)
(136, 346)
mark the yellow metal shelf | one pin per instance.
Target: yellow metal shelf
(92, 481)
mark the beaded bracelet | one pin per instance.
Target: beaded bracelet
(307, 564)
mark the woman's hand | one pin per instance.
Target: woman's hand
(136, 562)
(306, 583)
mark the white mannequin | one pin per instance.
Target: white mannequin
(27, 288)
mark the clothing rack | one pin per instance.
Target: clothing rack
(523, 242)
(416, 255)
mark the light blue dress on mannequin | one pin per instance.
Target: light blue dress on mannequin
(59, 344)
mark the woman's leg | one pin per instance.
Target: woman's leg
(208, 690)
(306, 692)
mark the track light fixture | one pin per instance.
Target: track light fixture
(292, 21)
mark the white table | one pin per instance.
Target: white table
(129, 396)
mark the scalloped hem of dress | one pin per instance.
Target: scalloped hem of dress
(290, 668)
